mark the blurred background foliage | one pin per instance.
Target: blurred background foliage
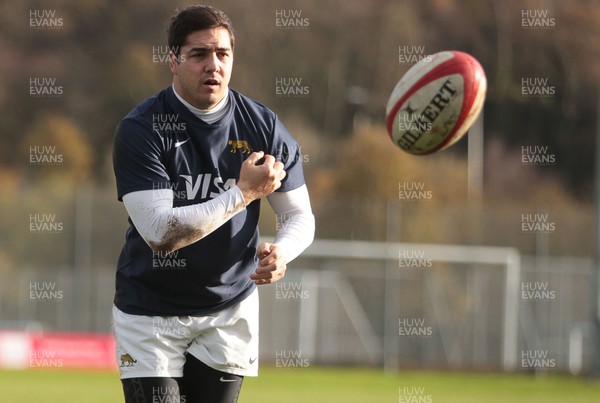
(102, 57)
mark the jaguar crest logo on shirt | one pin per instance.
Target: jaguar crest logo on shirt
(242, 145)
(127, 359)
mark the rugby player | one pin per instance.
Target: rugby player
(192, 164)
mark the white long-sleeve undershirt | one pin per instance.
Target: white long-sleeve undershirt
(166, 228)
(295, 221)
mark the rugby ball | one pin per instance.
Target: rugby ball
(435, 102)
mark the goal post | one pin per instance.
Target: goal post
(505, 257)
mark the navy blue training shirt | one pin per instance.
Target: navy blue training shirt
(162, 145)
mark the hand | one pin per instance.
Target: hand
(271, 266)
(258, 181)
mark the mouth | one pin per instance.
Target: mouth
(212, 83)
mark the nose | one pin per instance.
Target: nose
(212, 63)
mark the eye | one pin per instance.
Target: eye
(197, 55)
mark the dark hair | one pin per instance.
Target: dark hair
(196, 18)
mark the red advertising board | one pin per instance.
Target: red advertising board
(25, 350)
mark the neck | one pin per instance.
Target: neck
(210, 115)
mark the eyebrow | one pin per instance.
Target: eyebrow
(209, 48)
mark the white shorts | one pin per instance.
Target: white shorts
(155, 346)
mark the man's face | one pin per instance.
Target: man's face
(202, 73)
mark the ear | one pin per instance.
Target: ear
(173, 62)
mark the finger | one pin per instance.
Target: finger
(265, 281)
(275, 268)
(254, 157)
(266, 277)
(270, 256)
(261, 271)
(272, 262)
(269, 161)
(264, 273)
(263, 250)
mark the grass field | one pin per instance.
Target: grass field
(320, 385)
